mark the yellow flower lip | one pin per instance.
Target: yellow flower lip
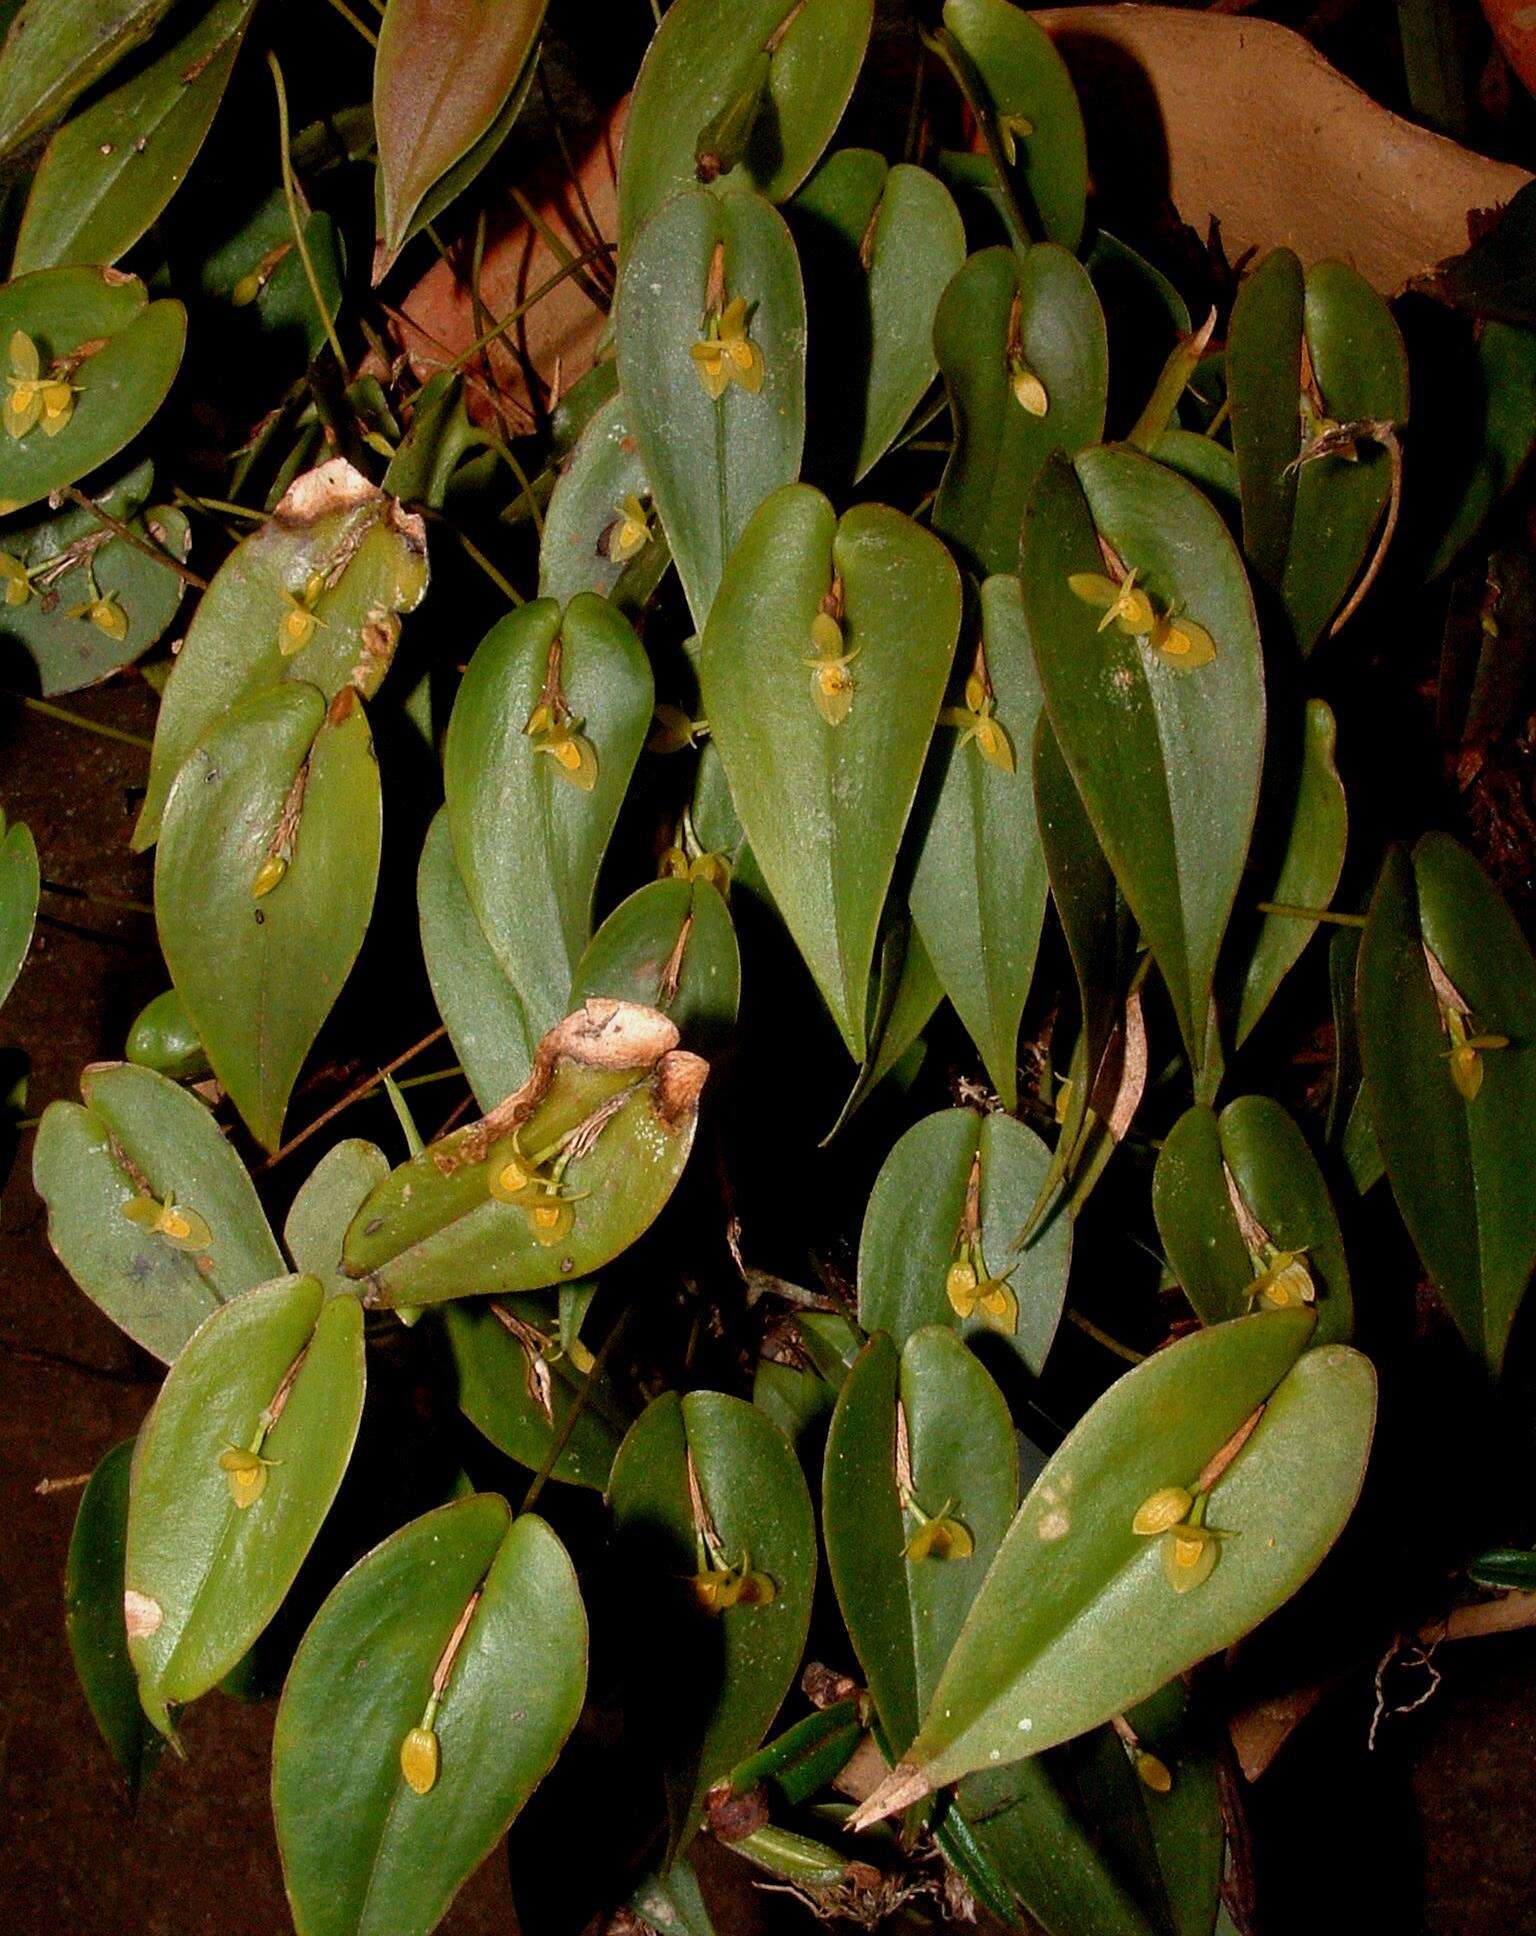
(717, 1589)
(630, 531)
(942, 1537)
(725, 354)
(246, 1473)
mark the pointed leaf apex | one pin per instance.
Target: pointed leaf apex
(901, 1787)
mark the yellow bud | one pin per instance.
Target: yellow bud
(1167, 1507)
(419, 1760)
(1028, 391)
(246, 290)
(18, 587)
(1154, 1773)
(975, 692)
(1467, 1070)
(270, 872)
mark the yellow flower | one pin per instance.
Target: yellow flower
(419, 1760)
(831, 681)
(1166, 1507)
(1284, 1283)
(1028, 391)
(1123, 603)
(1183, 644)
(672, 731)
(181, 1228)
(575, 757)
(1189, 1557)
(513, 1181)
(550, 1219)
(975, 721)
(1011, 130)
(725, 354)
(941, 1537)
(24, 395)
(246, 1473)
(104, 613)
(718, 1589)
(297, 626)
(18, 586)
(58, 400)
(1466, 1053)
(630, 531)
(969, 1292)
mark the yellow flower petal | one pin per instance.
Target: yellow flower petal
(826, 636)
(24, 358)
(960, 1288)
(994, 744)
(550, 1220)
(419, 1760)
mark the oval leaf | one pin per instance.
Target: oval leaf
(93, 1616)
(529, 831)
(824, 803)
(669, 946)
(264, 883)
(1263, 370)
(704, 1486)
(139, 1138)
(327, 1201)
(957, 1179)
(363, 1853)
(611, 1100)
(590, 535)
(277, 1376)
(1076, 1621)
(712, 459)
(20, 885)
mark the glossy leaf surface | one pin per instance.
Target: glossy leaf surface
(20, 885)
(1003, 315)
(93, 1616)
(204, 1574)
(284, 788)
(712, 460)
(56, 49)
(363, 1854)
(327, 1201)
(979, 888)
(140, 1135)
(705, 1483)
(1263, 368)
(589, 539)
(669, 946)
(824, 803)
(919, 1211)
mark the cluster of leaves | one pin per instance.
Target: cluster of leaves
(909, 565)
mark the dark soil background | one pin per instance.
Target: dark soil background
(1433, 1832)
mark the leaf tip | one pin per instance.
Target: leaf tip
(904, 1785)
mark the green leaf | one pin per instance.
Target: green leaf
(1166, 762)
(925, 1432)
(327, 1201)
(906, 992)
(20, 885)
(1002, 315)
(1026, 82)
(979, 889)
(711, 463)
(704, 1483)
(1206, 463)
(279, 323)
(277, 1373)
(607, 1116)
(56, 49)
(1263, 366)
(1076, 1621)
(1458, 1167)
(442, 76)
(139, 1135)
(824, 804)
(164, 1040)
(93, 1617)
(1307, 799)
(527, 836)
(486, 1021)
(337, 549)
(1360, 369)
(287, 792)
(110, 171)
(518, 1388)
(669, 946)
(918, 1219)
(1234, 1194)
(73, 560)
(879, 247)
(1481, 424)
(585, 519)
(364, 1855)
(706, 64)
(119, 353)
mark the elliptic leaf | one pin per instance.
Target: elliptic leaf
(93, 1616)
(1166, 761)
(56, 49)
(529, 834)
(20, 885)
(1031, 96)
(1263, 368)
(364, 1852)
(1004, 320)
(771, 77)
(824, 803)
(589, 536)
(480, 1008)
(921, 1439)
(906, 991)
(1076, 1620)
(1457, 1162)
(164, 1040)
(264, 883)
(954, 1178)
(602, 1127)
(705, 1486)
(712, 460)
(442, 75)
(978, 893)
(327, 1201)
(669, 946)
(336, 551)
(110, 171)
(275, 1377)
(1239, 1197)
(141, 1137)
(118, 353)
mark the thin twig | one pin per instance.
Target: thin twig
(129, 536)
(578, 1405)
(78, 719)
(352, 21)
(290, 193)
(353, 1095)
(94, 899)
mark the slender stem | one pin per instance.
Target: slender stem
(559, 249)
(436, 1075)
(476, 556)
(578, 1405)
(218, 507)
(129, 536)
(78, 719)
(94, 899)
(1102, 1337)
(1312, 914)
(290, 194)
(516, 315)
(352, 21)
(353, 1095)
